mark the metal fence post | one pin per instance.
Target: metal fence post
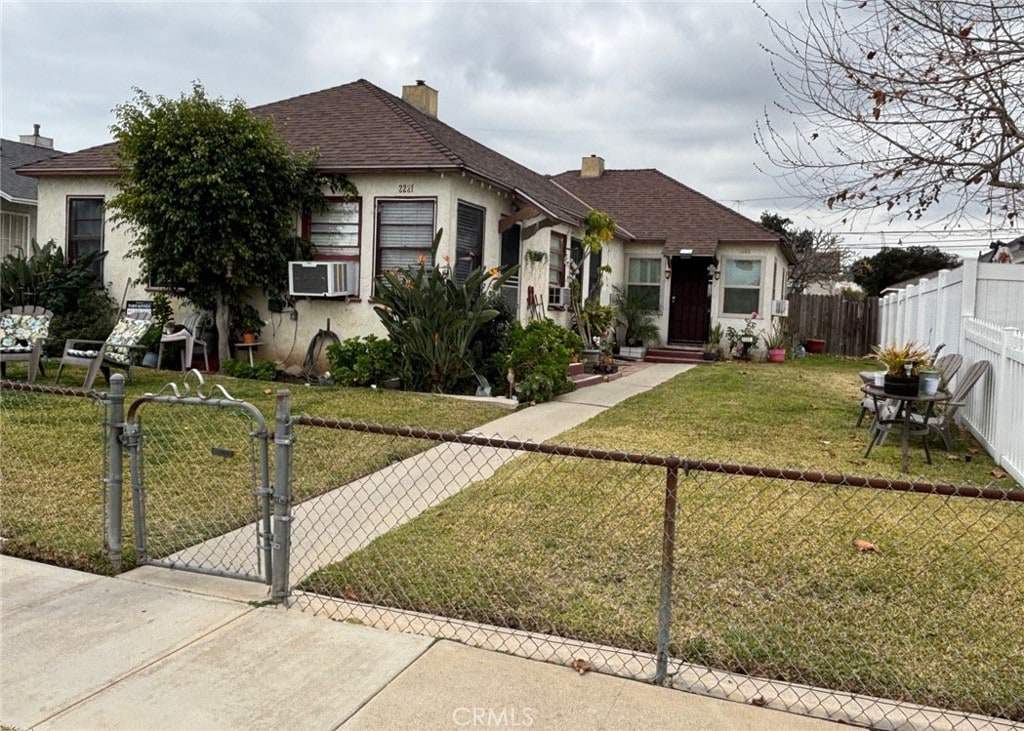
(668, 544)
(115, 478)
(282, 496)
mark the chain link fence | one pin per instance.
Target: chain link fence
(53, 465)
(765, 586)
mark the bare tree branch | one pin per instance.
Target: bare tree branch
(901, 104)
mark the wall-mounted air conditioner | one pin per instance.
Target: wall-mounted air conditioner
(559, 296)
(323, 278)
(780, 308)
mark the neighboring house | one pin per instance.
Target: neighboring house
(415, 175)
(1005, 253)
(702, 262)
(17, 193)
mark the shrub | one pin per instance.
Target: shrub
(485, 352)
(432, 320)
(81, 307)
(262, 370)
(362, 361)
(539, 358)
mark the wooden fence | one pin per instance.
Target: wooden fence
(848, 326)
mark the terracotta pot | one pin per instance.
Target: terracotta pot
(248, 338)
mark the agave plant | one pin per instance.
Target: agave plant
(903, 360)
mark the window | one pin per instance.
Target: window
(334, 233)
(556, 261)
(85, 230)
(643, 277)
(13, 234)
(405, 232)
(469, 240)
(741, 286)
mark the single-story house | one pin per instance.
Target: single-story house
(414, 175)
(18, 194)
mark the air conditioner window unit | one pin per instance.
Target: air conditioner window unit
(780, 308)
(558, 296)
(323, 278)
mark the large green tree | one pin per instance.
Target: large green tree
(211, 194)
(898, 264)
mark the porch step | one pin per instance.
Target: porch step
(674, 355)
(575, 369)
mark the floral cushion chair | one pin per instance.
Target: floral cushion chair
(114, 352)
(23, 330)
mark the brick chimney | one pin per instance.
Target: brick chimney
(592, 167)
(422, 97)
(36, 139)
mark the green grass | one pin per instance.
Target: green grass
(767, 581)
(51, 499)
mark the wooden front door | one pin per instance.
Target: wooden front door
(689, 310)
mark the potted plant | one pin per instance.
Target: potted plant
(712, 349)
(162, 314)
(633, 313)
(775, 342)
(247, 323)
(903, 364)
(741, 341)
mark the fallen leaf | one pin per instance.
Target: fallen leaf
(953, 457)
(581, 666)
(972, 450)
(861, 545)
(825, 441)
(268, 391)
(998, 473)
(857, 462)
(757, 700)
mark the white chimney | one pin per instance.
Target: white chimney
(592, 167)
(422, 97)
(36, 139)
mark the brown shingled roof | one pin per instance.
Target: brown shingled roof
(657, 209)
(360, 128)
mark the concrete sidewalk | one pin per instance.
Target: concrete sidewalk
(156, 649)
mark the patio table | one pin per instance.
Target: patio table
(901, 420)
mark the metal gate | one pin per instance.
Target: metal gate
(202, 496)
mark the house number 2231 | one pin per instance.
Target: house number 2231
(405, 188)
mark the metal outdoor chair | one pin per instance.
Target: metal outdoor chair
(189, 334)
(23, 330)
(102, 355)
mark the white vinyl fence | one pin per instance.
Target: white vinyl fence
(977, 311)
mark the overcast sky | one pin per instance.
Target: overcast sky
(676, 86)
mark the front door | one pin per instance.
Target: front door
(689, 309)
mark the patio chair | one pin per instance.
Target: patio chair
(942, 422)
(189, 334)
(23, 330)
(114, 352)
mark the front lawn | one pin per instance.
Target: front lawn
(50, 463)
(768, 581)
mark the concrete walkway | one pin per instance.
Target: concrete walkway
(155, 649)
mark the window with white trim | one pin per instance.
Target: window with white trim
(13, 234)
(85, 230)
(334, 232)
(556, 260)
(643, 280)
(405, 232)
(741, 286)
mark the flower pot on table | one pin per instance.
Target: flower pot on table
(900, 385)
